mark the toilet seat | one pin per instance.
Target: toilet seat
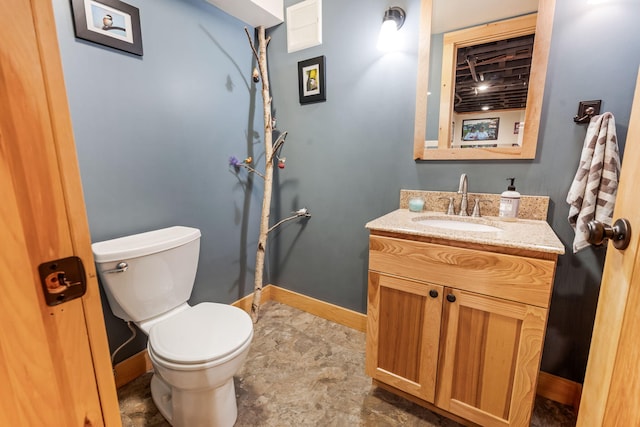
(202, 334)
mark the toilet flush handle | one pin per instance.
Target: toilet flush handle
(120, 268)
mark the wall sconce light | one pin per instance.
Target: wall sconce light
(391, 23)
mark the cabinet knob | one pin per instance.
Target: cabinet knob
(451, 298)
(433, 293)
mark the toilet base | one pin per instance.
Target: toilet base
(161, 395)
(215, 407)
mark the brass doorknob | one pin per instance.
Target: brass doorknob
(620, 233)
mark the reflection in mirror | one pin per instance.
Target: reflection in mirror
(485, 75)
(497, 54)
(493, 76)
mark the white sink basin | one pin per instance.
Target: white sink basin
(454, 224)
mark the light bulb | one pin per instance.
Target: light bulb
(388, 39)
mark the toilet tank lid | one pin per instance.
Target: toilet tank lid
(142, 244)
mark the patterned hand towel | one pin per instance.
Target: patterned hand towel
(593, 192)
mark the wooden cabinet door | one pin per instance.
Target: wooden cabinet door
(403, 333)
(490, 357)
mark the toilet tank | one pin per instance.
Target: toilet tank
(160, 271)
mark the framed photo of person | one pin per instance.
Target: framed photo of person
(480, 129)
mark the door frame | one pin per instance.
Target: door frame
(41, 38)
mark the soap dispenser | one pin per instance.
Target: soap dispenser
(509, 202)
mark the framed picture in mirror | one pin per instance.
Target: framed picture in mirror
(480, 129)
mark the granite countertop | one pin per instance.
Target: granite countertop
(528, 234)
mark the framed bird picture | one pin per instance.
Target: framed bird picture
(108, 22)
(311, 80)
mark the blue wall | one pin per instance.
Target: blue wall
(158, 156)
(154, 135)
(347, 158)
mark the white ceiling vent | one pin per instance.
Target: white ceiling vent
(256, 13)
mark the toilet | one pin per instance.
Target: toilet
(195, 350)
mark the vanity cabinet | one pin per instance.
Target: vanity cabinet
(459, 328)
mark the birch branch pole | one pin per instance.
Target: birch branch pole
(261, 57)
(271, 150)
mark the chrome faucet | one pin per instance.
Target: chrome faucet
(462, 189)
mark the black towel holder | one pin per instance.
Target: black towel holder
(586, 110)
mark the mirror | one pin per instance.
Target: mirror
(440, 133)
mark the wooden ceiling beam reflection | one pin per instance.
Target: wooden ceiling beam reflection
(504, 66)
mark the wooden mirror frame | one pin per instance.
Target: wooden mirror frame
(543, 27)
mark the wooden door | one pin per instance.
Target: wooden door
(403, 333)
(54, 361)
(490, 357)
(611, 392)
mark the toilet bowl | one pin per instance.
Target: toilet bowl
(194, 367)
(194, 350)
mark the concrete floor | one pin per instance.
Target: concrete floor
(306, 371)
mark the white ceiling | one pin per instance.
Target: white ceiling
(449, 15)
